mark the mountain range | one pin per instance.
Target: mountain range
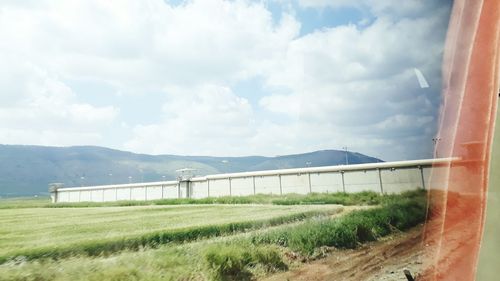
(27, 170)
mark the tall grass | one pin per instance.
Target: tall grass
(347, 231)
(341, 198)
(233, 261)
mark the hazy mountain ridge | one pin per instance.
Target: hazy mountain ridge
(27, 170)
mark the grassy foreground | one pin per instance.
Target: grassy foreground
(47, 232)
(238, 257)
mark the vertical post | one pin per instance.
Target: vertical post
(208, 187)
(116, 194)
(422, 176)
(309, 181)
(179, 189)
(281, 188)
(230, 187)
(130, 193)
(343, 181)
(162, 191)
(190, 188)
(103, 195)
(253, 179)
(145, 193)
(380, 181)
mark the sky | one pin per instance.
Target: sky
(223, 78)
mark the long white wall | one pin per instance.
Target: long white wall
(386, 177)
(108, 193)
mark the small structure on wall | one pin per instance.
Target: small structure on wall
(184, 177)
(53, 187)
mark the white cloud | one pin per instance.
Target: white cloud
(393, 8)
(209, 119)
(134, 46)
(347, 85)
(37, 108)
(55, 137)
(359, 84)
(148, 44)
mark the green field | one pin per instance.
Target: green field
(34, 231)
(174, 240)
(24, 202)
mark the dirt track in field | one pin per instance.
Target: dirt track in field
(382, 260)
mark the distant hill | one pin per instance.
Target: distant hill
(27, 170)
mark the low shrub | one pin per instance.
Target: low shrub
(228, 262)
(235, 261)
(269, 258)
